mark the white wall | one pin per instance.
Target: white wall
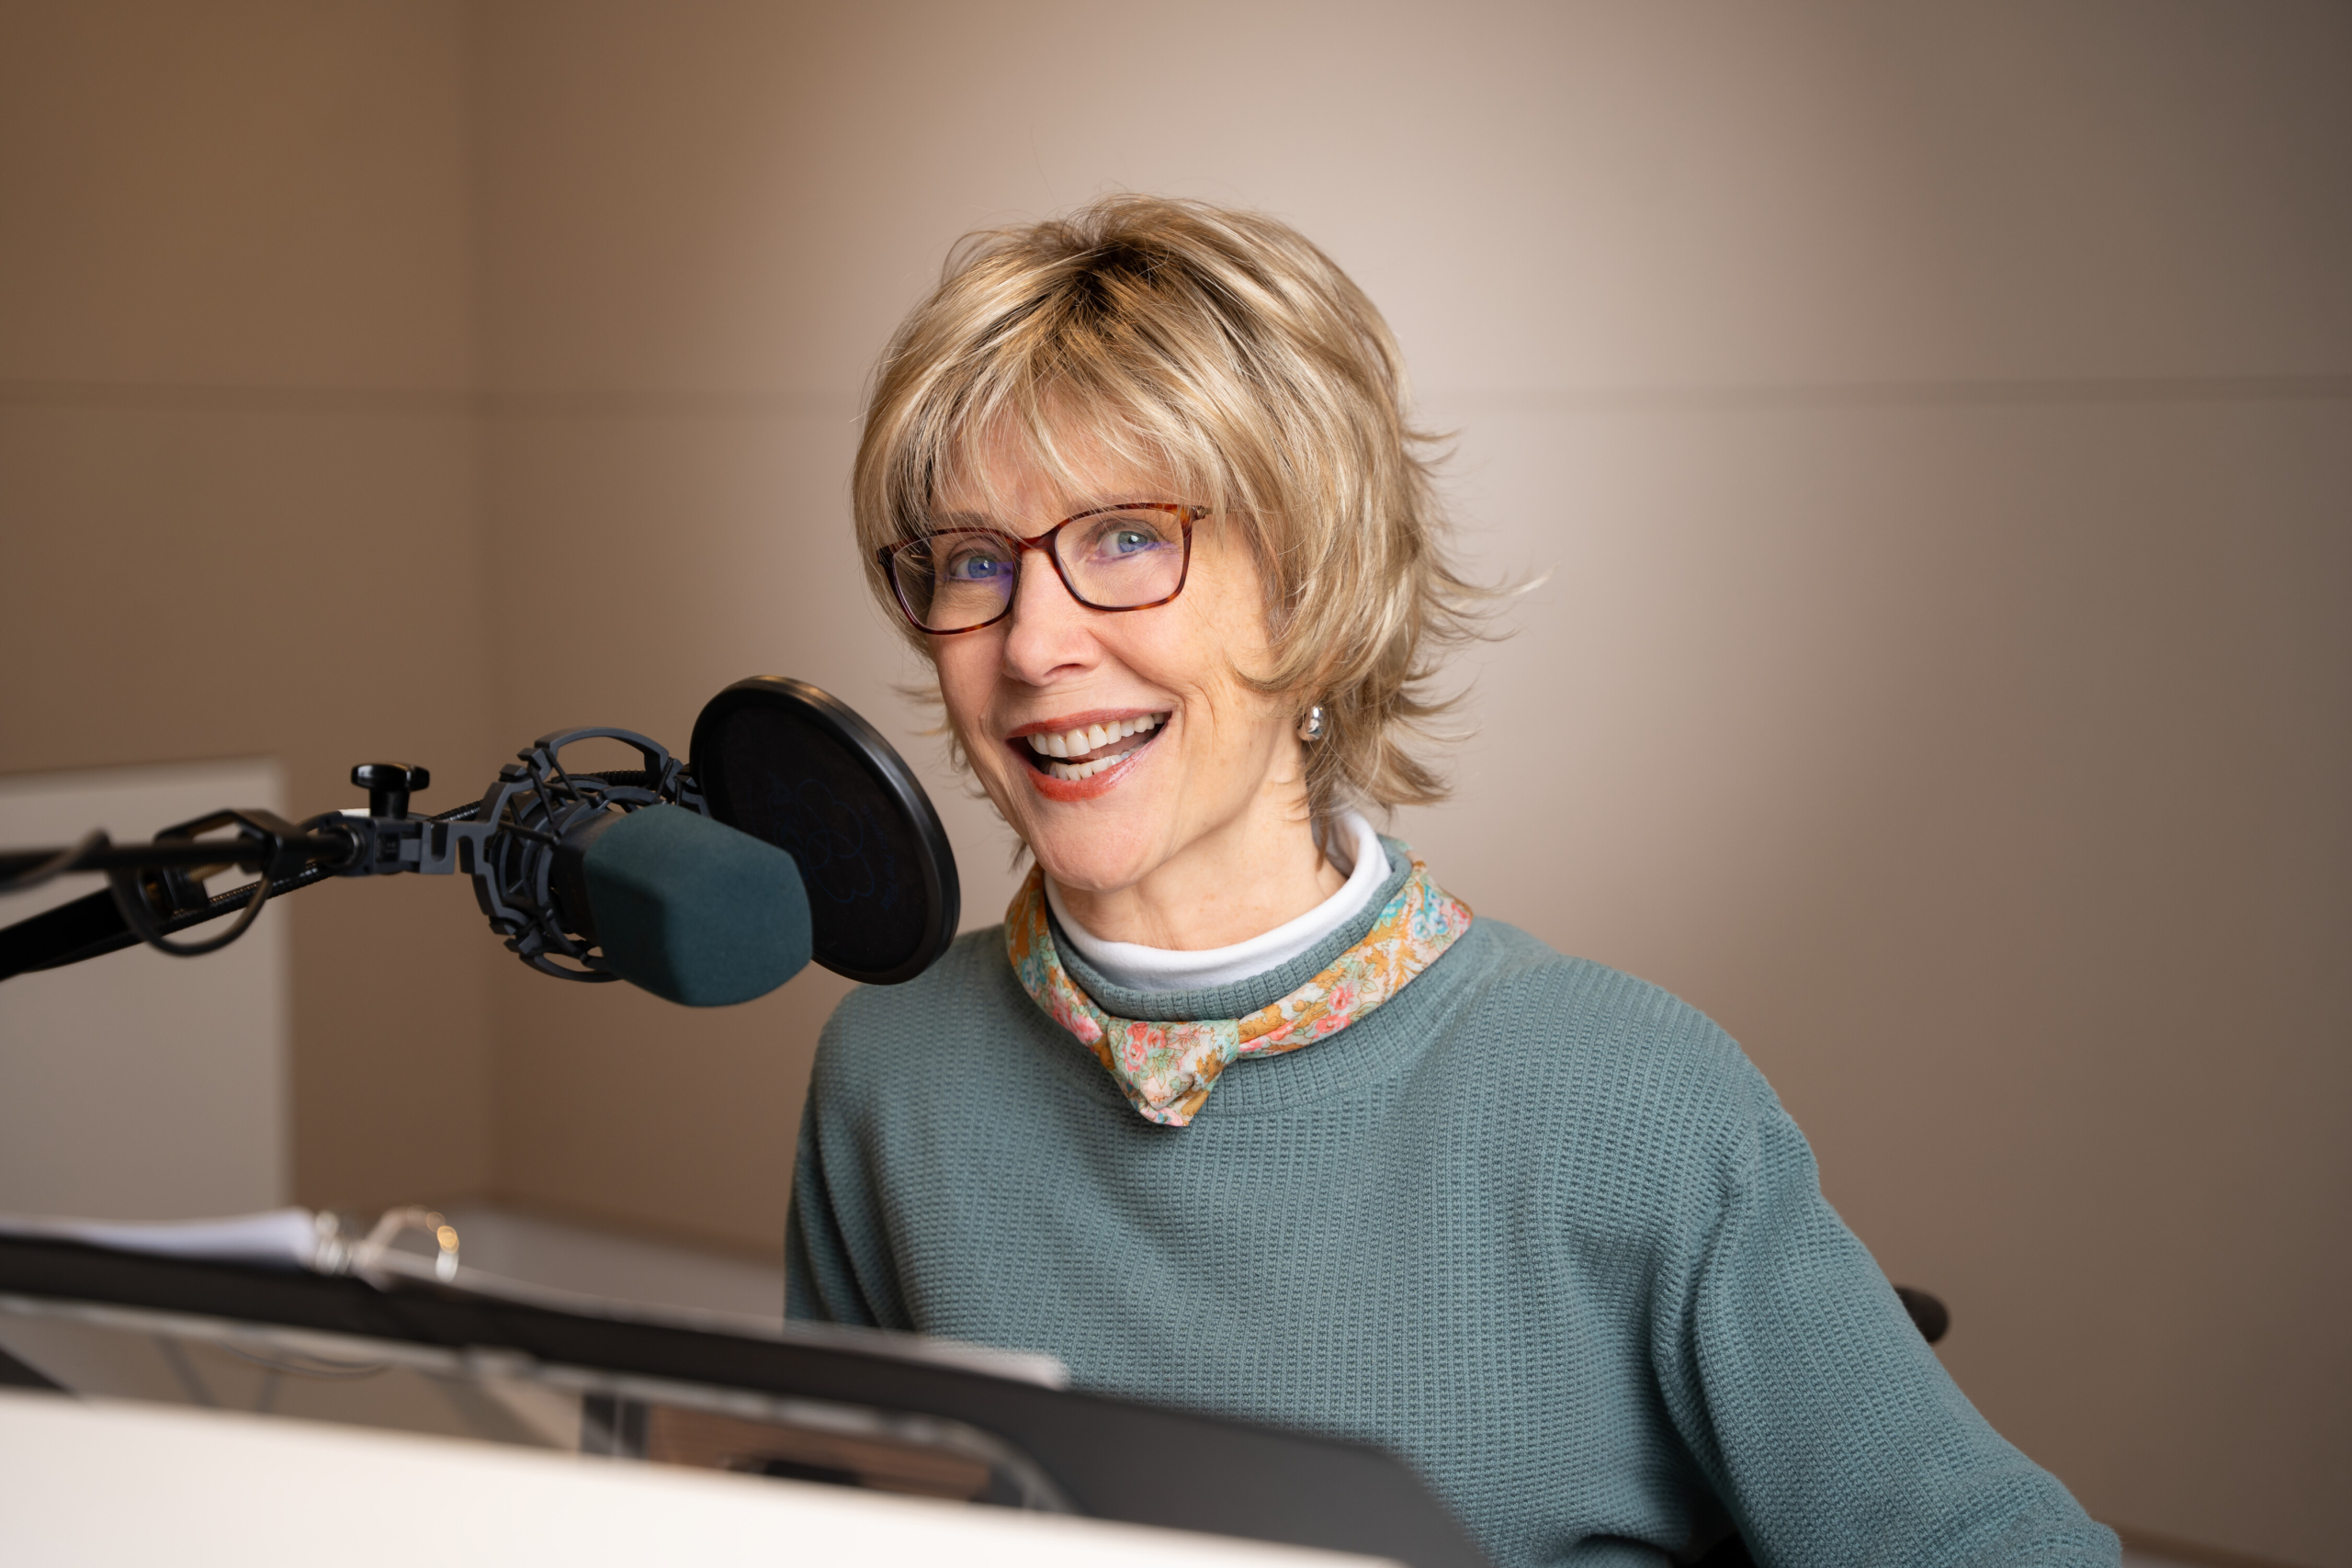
(141, 1085)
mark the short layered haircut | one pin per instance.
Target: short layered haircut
(1221, 350)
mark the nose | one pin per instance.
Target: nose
(1048, 635)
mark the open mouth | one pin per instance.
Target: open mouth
(1084, 750)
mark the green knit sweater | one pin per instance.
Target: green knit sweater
(1534, 1226)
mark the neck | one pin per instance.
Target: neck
(1258, 871)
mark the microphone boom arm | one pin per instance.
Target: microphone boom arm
(510, 842)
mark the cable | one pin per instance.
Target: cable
(57, 864)
(129, 890)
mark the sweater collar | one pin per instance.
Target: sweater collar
(1242, 998)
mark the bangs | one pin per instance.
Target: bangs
(1092, 447)
(1058, 394)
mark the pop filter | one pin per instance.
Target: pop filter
(796, 768)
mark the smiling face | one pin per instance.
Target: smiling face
(1162, 794)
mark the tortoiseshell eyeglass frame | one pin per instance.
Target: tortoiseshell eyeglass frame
(887, 557)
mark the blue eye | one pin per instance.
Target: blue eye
(977, 566)
(1122, 539)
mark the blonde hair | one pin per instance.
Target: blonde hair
(1220, 348)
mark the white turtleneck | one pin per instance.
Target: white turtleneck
(1141, 968)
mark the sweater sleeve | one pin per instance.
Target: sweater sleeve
(820, 1276)
(1822, 1420)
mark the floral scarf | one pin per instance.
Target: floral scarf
(1167, 1070)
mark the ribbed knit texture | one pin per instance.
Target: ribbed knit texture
(1534, 1226)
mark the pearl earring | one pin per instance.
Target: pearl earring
(1311, 727)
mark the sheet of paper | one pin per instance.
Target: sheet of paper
(289, 1236)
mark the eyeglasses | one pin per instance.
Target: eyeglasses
(1113, 557)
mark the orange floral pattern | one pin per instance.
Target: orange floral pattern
(1165, 1070)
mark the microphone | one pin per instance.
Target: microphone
(797, 834)
(684, 906)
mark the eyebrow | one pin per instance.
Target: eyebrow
(1110, 501)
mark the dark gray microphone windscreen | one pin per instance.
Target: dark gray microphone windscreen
(693, 910)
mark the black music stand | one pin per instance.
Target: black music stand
(809, 1404)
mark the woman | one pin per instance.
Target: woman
(1241, 1109)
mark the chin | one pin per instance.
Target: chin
(1096, 844)
(1092, 868)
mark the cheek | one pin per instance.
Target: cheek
(1226, 718)
(964, 683)
(1228, 617)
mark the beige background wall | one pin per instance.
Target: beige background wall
(1938, 423)
(240, 496)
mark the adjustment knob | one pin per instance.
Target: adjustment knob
(389, 785)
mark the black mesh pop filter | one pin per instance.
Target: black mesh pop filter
(786, 762)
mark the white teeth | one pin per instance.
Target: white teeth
(1092, 737)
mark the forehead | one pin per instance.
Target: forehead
(1009, 471)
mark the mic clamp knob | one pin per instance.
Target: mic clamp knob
(389, 785)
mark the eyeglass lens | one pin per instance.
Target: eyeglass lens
(1111, 561)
